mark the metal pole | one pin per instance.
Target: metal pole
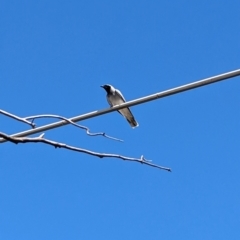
(148, 98)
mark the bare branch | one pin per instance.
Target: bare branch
(74, 124)
(17, 140)
(24, 120)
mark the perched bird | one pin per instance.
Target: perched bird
(115, 97)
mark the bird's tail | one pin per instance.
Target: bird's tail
(132, 122)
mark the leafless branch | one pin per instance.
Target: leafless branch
(24, 120)
(17, 140)
(74, 124)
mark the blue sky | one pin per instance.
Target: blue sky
(54, 55)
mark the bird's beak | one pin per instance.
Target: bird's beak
(102, 86)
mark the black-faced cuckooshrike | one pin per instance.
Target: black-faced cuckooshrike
(115, 97)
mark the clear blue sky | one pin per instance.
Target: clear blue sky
(54, 55)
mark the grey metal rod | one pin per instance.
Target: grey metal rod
(148, 98)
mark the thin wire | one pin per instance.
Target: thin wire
(148, 98)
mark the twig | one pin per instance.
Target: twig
(17, 140)
(74, 124)
(24, 120)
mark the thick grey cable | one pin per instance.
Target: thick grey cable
(148, 98)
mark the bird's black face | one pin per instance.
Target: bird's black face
(107, 88)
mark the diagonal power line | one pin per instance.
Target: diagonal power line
(148, 98)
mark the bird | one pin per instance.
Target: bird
(115, 97)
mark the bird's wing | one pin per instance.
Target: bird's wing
(126, 112)
(120, 95)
